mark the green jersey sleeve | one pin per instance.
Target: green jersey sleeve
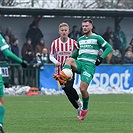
(4, 48)
(3, 44)
(107, 50)
(76, 52)
(107, 47)
(12, 56)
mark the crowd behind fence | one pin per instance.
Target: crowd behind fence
(16, 75)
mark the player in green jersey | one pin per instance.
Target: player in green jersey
(85, 59)
(4, 48)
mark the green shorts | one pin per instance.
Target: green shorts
(1, 86)
(86, 70)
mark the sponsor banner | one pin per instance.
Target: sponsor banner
(104, 77)
(46, 79)
(114, 76)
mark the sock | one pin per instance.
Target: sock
(79, 103)
(85, 103)
(67, 66)
(2, 112)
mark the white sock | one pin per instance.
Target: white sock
(79, 102)
(62, 86)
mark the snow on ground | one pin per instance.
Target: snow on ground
(21, 90)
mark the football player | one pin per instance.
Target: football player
(5, 50)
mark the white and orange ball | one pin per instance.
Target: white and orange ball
(66, 74)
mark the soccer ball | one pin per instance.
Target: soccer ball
(66, 74)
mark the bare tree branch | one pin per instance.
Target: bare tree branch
(74, 4)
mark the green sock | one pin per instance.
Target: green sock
(67, 66)
(85, 103)
(2, 112)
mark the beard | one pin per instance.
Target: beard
(86, 32)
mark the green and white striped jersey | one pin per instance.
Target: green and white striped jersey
(3, 44)
(4, 47)
(90, 46)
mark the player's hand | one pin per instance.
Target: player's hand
(25, 64)
(58, 64)
(98, 61)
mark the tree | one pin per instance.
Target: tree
(7, 2)
(74, 4)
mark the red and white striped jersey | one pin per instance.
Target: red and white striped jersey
(61, 50)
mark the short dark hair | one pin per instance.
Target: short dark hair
(88, 20)
(14, 40)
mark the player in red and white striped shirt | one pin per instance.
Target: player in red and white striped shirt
(61, 49)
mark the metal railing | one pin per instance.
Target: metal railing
(21, 76)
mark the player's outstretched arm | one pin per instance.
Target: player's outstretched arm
(13, 57)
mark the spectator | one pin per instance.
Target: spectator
(111, 40)
(40, 46)
(37, 19)
(121, 39)
(37, 62)
(94, 29)
(128, 58)
(106, 35)
(16, 71)
(9, 34)
(74, 34)
(27, 51)
(131, 42)
(7, 39)
(113, 43)
(14, 47)
(34, 33)
(81, 32)
(129, 48)
(1, 32)
(116, 57)
(45, 55)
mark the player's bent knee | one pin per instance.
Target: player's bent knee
(83, 90)
(69, 60)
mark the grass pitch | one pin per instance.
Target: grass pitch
(54, 114)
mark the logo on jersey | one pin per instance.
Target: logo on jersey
(86, 74)
(64, 53)
(70, 48)
(89, 41)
